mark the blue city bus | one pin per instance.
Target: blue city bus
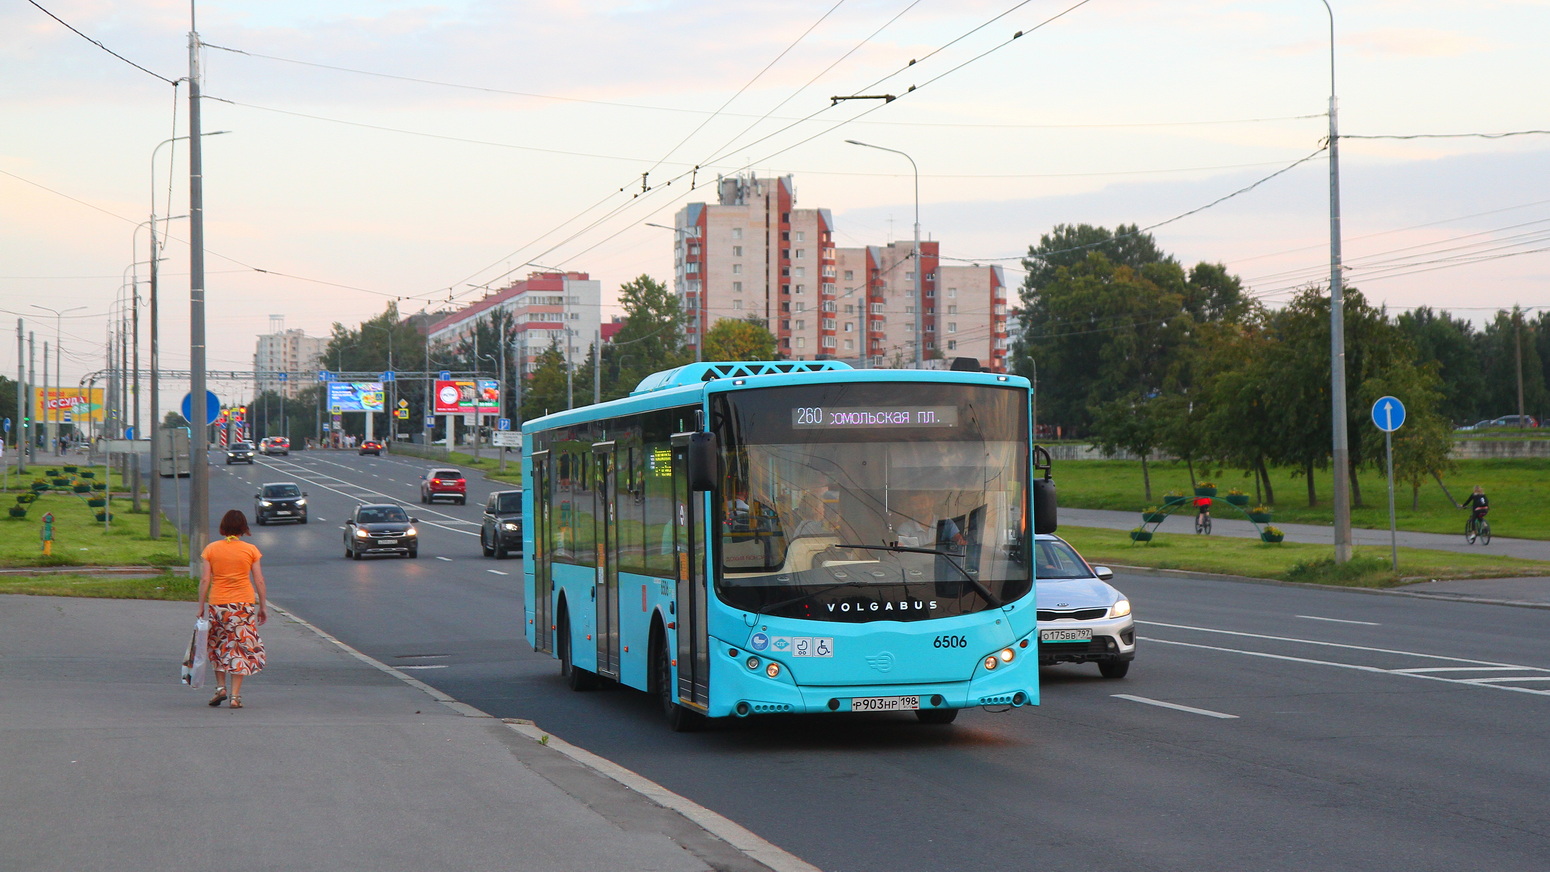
(802, 537)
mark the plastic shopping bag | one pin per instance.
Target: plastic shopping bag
(196, 662)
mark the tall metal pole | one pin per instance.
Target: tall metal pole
(155, 389)
(199, 448)
(920, 295)
(1341, 453)
(23, 411)
(47, 393)
(32, 385)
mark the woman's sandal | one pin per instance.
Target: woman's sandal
(236, 702)
(220, 697)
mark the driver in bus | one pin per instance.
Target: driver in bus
(913, 531)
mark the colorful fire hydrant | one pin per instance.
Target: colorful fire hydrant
(48, 534)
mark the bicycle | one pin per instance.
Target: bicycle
(1477, 527)
(1203, 523)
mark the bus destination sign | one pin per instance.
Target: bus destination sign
(821, 418)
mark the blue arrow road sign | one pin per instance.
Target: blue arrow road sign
(325, 375)
(212, 407)
(387, 376)
(1388, 413)
(445, 375)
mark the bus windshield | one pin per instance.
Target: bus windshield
(862, 502)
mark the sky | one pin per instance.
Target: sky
(378, 151)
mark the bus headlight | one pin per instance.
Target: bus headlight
(1005, 655)
(1120, 609)
(753, 662)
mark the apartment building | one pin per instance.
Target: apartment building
(546, 308)
(285, 359)
(753, 253)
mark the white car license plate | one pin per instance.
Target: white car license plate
(885, 703)
(282, 513)
(387, 541)
(1084, 634)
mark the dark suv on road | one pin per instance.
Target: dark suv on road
(501, 531)
(239, 452)
(380, 528)
(279, 501)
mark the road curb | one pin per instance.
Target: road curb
(1247, 579)
(739, 837)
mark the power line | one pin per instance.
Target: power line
(98, 44)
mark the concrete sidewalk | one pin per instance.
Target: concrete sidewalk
(336, 762)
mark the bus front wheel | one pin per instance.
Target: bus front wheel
(679, 719)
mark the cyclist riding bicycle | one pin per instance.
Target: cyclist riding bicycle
(1202, 514)
(1478, 505)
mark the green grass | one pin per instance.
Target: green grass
(80, 539)
(1519, 491)
(1291, 561)
(177, 588)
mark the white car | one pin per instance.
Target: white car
(1082, 618)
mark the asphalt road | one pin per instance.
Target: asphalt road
(1263, 727)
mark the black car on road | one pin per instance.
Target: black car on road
(380, 528)
(279, 501)
(239, 452)
(501, 531)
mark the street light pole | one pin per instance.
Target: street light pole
(920, 297)
(58, 379)
(1341, 440)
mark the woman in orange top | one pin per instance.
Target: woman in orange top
(237, 607)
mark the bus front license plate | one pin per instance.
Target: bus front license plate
(885, 704)
(1085, 634)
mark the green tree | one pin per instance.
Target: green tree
(651, 340)
(731, 339)
(546, 389)
(1130, 423)
(1450, 342)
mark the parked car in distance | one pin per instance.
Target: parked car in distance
(1521, 422)
(275, 445)
(501, 530)
(1082, 619)
(371, 447)
(380, 528)
(443, 483)
(239, 452)
(279, 501)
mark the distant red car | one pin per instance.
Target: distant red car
(443, 483)
(371, 447)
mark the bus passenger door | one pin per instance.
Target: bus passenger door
(689, 529)
(606, 529)
(542, 526)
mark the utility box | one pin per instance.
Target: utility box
(172, 452)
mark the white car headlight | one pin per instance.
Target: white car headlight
(360, 533)
(1120, 609)
(412, 532)
(266, 504)
(301, 502)
(510, 526)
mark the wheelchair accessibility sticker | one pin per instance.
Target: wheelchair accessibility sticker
(803, 646)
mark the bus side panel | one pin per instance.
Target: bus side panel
(576, 585)
(641, 599)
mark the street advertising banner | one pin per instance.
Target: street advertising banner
(468, 397)
(67, 405)
(355, 396)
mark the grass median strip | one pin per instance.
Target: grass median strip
(1291, 561)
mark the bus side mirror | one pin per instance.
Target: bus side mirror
(1044, 506)
(702, 453)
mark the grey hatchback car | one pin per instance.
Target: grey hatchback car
(1082, 619)
(279, 501)
(380, 528)
(501, 529)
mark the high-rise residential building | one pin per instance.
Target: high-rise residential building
(546, 308)
(285, 359)
(754, 254)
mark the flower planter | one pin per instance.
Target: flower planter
(39, 487)
(1205, 491)
(99, 485)
(97, 502)
(1173, 501)
(1271, 537)
(1141, 535)
(104, 516)
(1153, 517)
(88, 474)
(23, 499)
(72, 470)
(1259, 517)
(1239, 500)
(81, 487)
(18, 511)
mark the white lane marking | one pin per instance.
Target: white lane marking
(496, 572)
(1459, 668)
(1355, 666)
(1328, 644)
(1175, 706)
(429, 666)
(448, 559)
(1506, 678)
(1339, 621)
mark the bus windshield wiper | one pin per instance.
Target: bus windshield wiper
(984, 591)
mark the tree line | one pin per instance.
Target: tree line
(1131, 350)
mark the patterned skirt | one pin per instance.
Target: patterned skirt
(234, 643)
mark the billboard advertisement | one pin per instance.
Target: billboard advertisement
(355, 396)
(67, 405)
(468, 397)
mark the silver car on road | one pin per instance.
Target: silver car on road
(1082, 618)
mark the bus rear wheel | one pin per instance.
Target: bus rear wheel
(575, 677)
